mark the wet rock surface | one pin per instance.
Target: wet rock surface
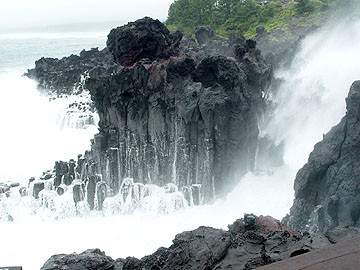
(171, 111)
(145, 38)
(187, 119)
(327, 188)
(66, 75)
(89, 259)
(249, 243)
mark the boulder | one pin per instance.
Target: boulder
(37, 187)
(144, 38)
(89, 259)
(78, 192)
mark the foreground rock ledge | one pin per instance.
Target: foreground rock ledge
(248, 243)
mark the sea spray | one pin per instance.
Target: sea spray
(36, 132)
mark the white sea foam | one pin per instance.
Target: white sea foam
(33, 131)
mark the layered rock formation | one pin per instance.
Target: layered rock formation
(249, 243)
(172, 114)
(188, 119)
(327, 188)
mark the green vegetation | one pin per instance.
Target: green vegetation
(226, 16)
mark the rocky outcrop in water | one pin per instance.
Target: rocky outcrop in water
(89, 259)
(327, 188)
(189, 119)
(6, 186)
(172, 114)
(249, 243)
(66, 75)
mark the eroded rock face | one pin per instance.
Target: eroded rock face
(170, 113)
(145, 38)
(188, 119)
(327, 188)
(249, 243)
(66, 75)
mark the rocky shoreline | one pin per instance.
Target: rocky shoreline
(182, 115)
(249, 243)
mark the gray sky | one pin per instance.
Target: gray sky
(42, 13)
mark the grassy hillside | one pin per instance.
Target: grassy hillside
(227, 16)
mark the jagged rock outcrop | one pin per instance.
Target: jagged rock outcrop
(327, 188)
(171, 113)
(249, 243)
(89, 259)
(145, 38)
(6, 186)
(66, 75)
(188, 119)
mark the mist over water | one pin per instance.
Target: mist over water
(311, 99)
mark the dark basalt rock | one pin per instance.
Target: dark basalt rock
(65, 76)
(61, 168)
(249, 243)
(78, 192)
(38, 186)
(23, 191)
(60, 190)
(6, 186)
(327, 188)
(189, 119)
(145, 38)
(89, 259)
(204, 34)
(171, 114)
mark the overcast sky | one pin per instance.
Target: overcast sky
(42, 13)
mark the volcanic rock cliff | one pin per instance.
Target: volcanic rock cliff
(189, 119)
(172, 113)
(327, 188)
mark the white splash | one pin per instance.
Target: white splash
(35, 132)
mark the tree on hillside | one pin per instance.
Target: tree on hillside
(245, 13)
(224, 9)
(189, 13)
(303, 6)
